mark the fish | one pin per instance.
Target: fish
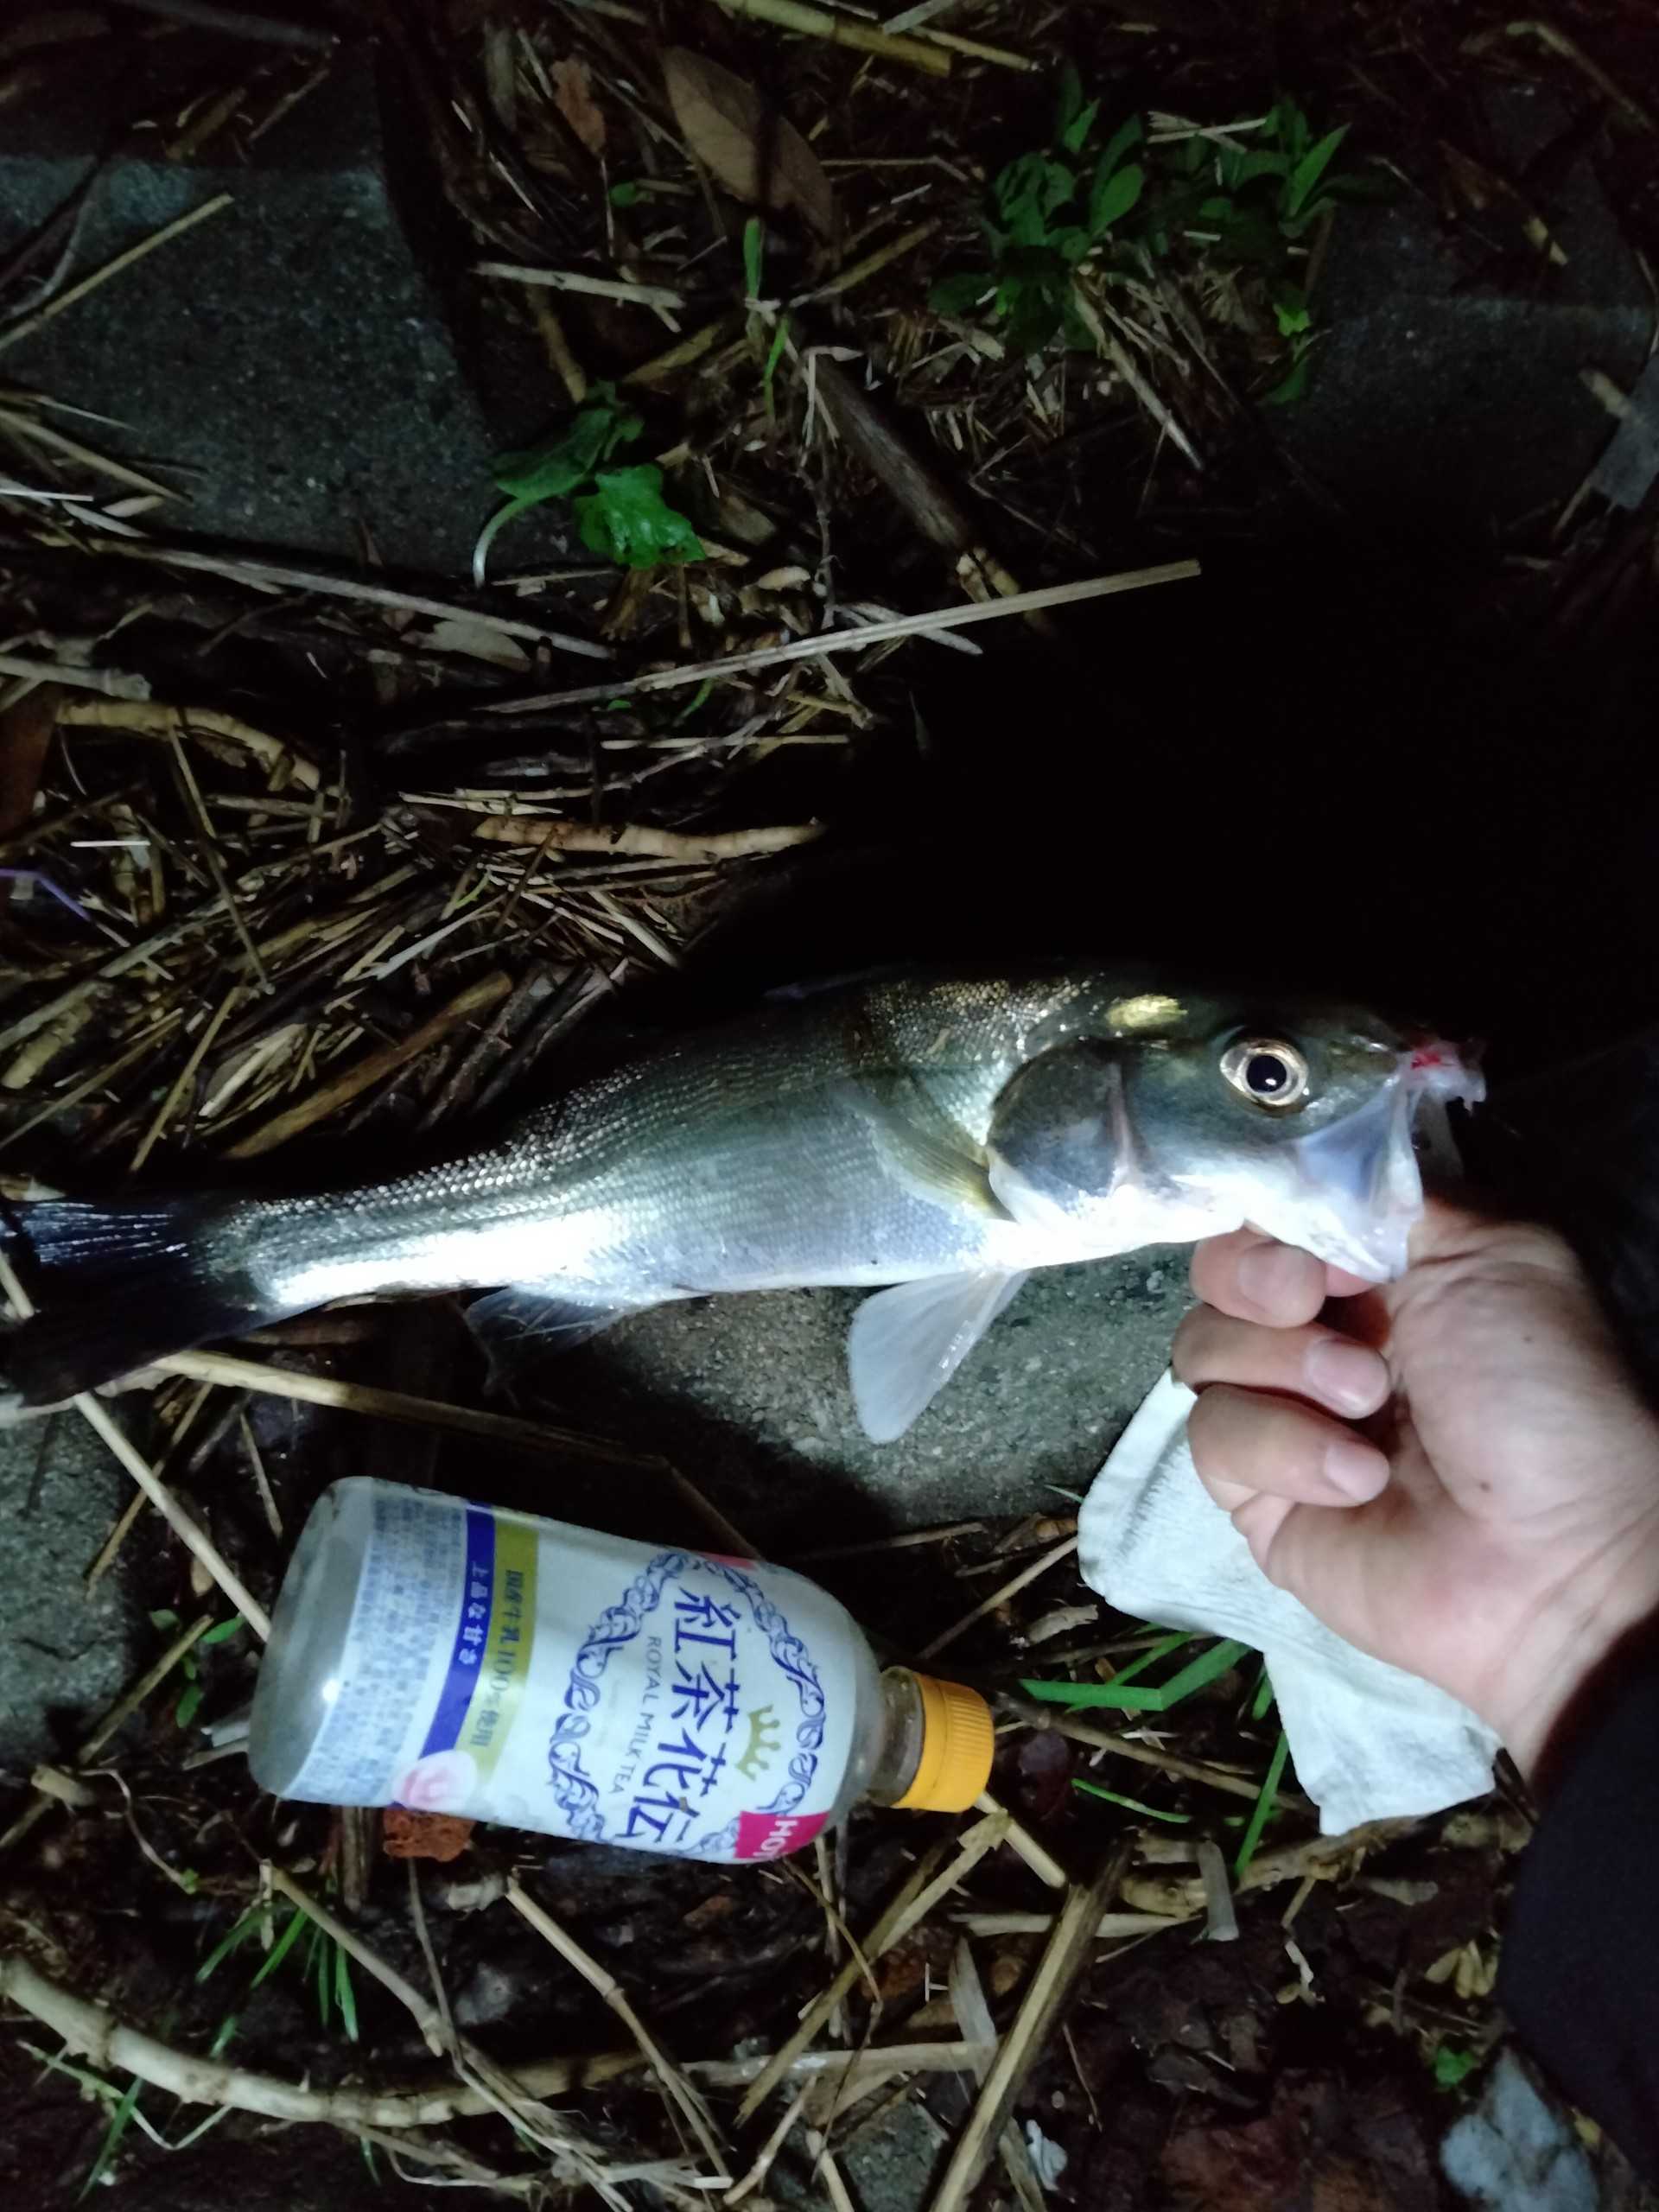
(931, 1137)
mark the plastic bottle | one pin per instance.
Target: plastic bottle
(451, 1658)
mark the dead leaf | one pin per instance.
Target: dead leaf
(442, 1836)
(573, 96)
(749, 148)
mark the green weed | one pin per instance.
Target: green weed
(323, 1966)
(1129, 1804)
(1210, 202)
(1127, 1693)
(1261, 1812)
(195, 1689)
(621, 517)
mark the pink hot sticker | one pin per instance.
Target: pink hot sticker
(769, 1835)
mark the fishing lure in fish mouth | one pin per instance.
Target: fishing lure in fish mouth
(933, 1138)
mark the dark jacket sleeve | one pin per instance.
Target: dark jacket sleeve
(1579, 1977)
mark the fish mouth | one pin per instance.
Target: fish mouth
(1358, 1185)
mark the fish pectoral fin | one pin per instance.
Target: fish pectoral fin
(906, 1343)
(528, 1321)
(928, 1153)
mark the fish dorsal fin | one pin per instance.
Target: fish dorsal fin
(928, 1151)
(906, 1343)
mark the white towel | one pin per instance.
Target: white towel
(1370, 1742)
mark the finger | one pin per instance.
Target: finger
(1308, 1363)
(1251, 1277)
(1245, 1440)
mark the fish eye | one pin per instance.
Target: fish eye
(1267, 1071)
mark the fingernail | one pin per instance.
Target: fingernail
(1270, 1275)
(1357, 1470)
(1345, 1375)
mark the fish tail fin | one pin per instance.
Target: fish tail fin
(122, 1284)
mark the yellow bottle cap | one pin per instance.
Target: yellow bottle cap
(958, 1740)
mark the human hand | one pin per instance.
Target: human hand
(1454, 1471)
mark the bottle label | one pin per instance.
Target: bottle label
(666, 1700)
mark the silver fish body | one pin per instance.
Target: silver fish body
(940, 1135)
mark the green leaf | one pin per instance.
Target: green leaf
(754, 254)
(628, 194)
(113, 2134)
(1453, 2064)
(319, 1968)
(188, 1705)
(1152, 1654)
(280, 1949)
(1258, 164)
(220, 1632)
(554, 470)
(1074, 121)
(1127, 135)
(1027, 193)
(627, 520)
(223, 2034)
(958, 295)
(1111, 197)
(164, 1617)
(1263, 1809)
(1263, 1698)
(1290, 388)
(240, 1933)
(1311, 167)
(1131, 1804)
(1035, 288)
(344, 1995)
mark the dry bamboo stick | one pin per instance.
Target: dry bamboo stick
(641, 839)
(118, 964)
(466, 1005)
(280, 575)
(1215, 1777)
(105, 1729)
(91, 2031)
(974, 2017)
(98, 1417)
(187, 1076)
(397, 1405)
(844, 30)
(575, 280)
(556, 2134)
(870, 633)
(151, 718)
(1041, 1861)
(825, 2002)
(113, 683)
(1058, 1970)
(1003, 1591)
(177, 229)
(920, 1893)
(679, 2091)
(180, 1438)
